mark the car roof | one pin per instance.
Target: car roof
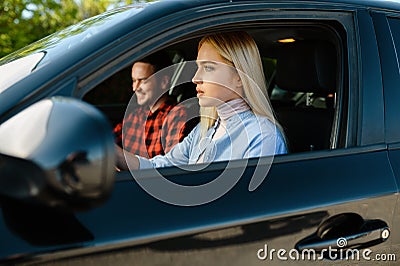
(382, 4)
(123, 20)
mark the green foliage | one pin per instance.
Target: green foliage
(25, 21)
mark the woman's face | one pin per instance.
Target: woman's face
(216, 81)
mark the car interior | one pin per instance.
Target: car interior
(303, 67)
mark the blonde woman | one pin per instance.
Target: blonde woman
(237, 120)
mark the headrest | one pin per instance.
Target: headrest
(307, 67)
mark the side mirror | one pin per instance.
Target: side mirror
(58, 152)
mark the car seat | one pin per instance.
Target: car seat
(308, 68)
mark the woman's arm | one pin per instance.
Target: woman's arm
(178, 155)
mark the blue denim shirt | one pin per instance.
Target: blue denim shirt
(247, 135)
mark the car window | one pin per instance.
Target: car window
(395, 27)
(115, 93)
(303, 90)
(115, 90)
(302, 74)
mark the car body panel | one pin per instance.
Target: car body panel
(129, 217)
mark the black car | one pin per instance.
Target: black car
(333, 74)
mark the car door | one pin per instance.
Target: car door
(344, 196)
(388, 41)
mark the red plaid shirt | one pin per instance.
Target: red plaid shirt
(149, 134)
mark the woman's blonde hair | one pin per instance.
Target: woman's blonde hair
(240, 50)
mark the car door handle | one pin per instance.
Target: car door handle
(345, 231)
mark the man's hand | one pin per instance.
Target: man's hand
(124, 158)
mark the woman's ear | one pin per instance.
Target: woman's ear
(239, 83)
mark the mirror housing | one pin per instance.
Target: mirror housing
(57, 152)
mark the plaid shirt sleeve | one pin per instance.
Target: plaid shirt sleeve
(174, 127)
(133, 132)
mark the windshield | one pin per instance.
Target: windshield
(39, 53)
(14, 71)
